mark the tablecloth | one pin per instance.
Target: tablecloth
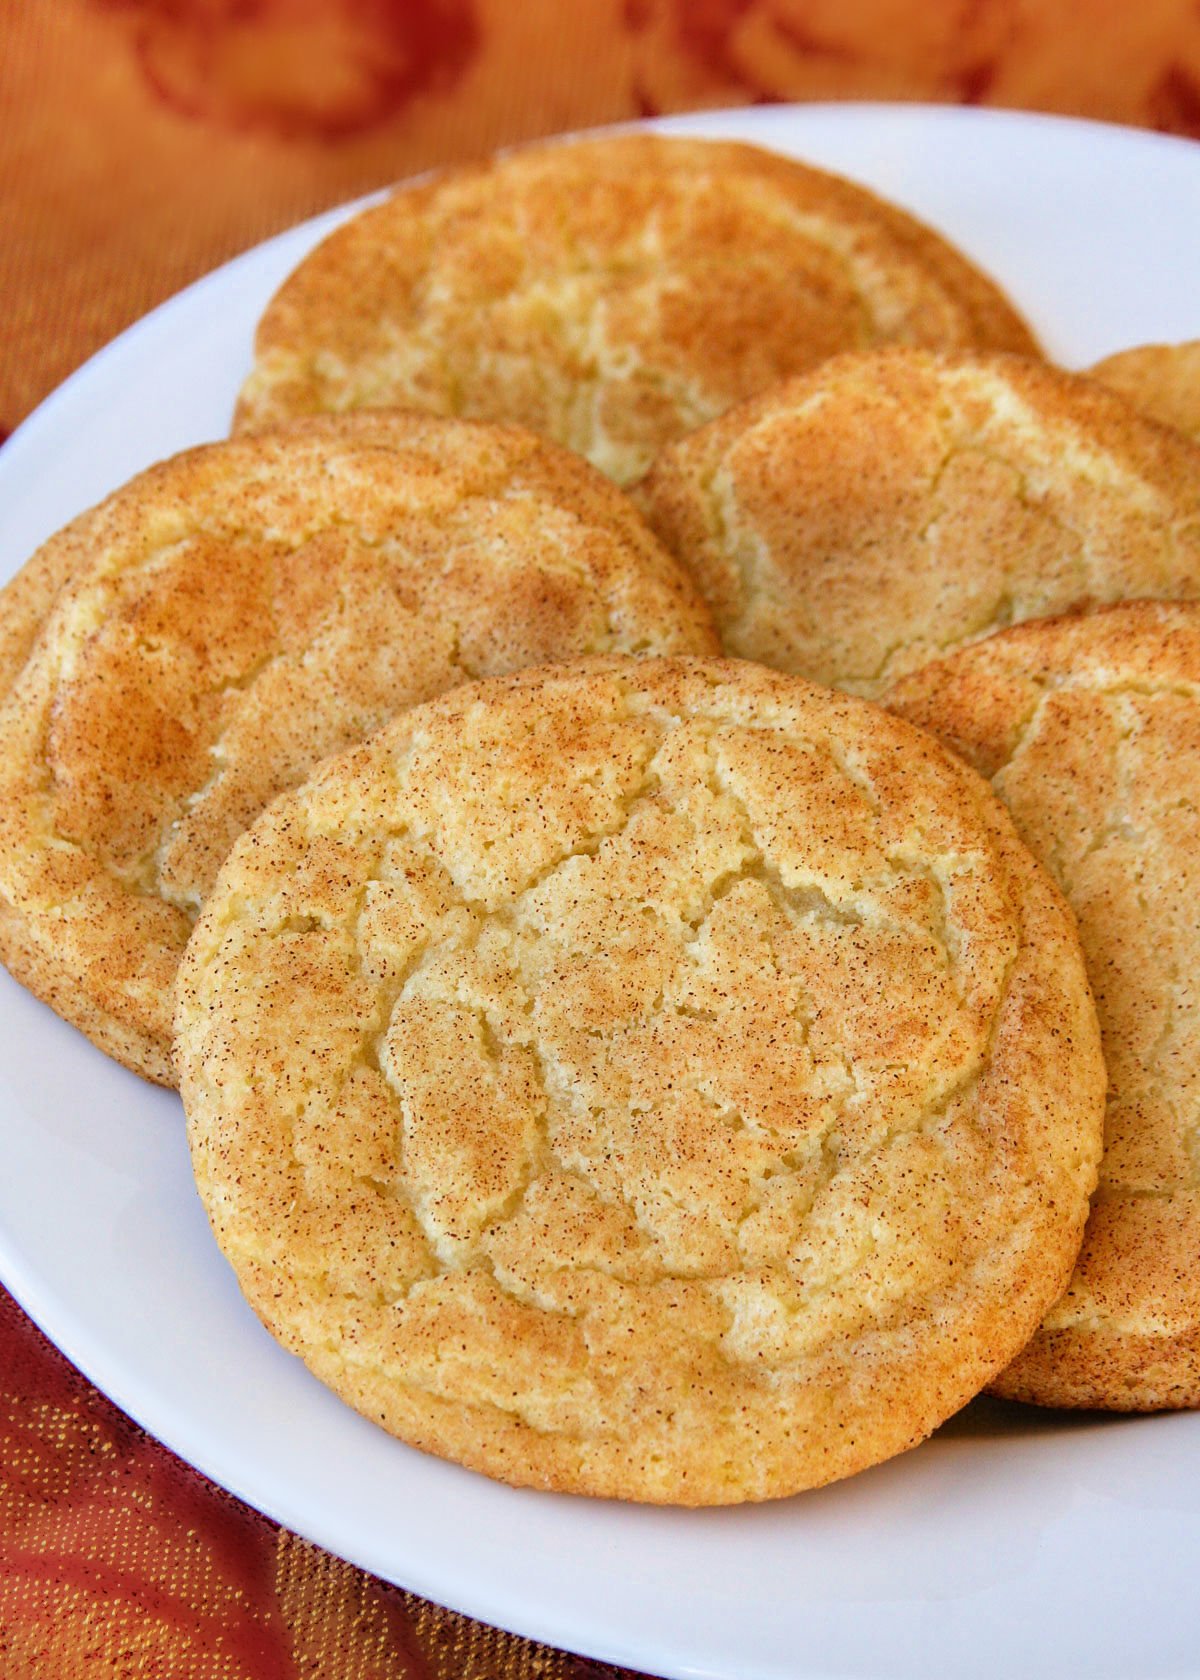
(141, 143)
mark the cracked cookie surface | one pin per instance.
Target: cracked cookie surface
(887, 508)
(1089, 730)
(238, 612)
(659, 1079)
(612, 294)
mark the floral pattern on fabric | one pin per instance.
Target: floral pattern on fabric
(300, 68)
(117, 1562)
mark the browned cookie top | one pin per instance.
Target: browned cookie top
(1089, 729)
(661, 1079)
(236, 613)
(612, 293)
(1162, 380)
(888, 507)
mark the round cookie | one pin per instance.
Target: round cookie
(664, 1080)
(1089, 729)
(612, 293)
(240, 611)
(852, 524)
(1162, 380)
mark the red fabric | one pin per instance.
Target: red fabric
(118, 1562)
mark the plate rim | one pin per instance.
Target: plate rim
(548, 1626)
(831, 111)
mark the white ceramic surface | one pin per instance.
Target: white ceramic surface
(1014, 1543)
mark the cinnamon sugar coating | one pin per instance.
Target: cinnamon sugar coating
(1161, 380)
(664, 1080)
(889, 507)
(231, 616)
(1089, 730)
(612, 293)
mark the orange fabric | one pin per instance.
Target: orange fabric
(141, 143)
(144, 141)
(118, 1562)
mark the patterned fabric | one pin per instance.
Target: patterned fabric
(143, 142)
(118, 1562)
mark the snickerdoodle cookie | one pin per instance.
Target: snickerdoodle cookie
(853, 523)
(1162, 380)
(662, 1079)
(1089, 729)
(236, 613)
(612, 293)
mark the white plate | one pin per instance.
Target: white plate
(1013, 1543)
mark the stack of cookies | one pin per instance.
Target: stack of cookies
(676, 991)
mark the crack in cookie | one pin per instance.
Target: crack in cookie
(889, 507)
(232, 616)
(1089, 730)
(692, 1080)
